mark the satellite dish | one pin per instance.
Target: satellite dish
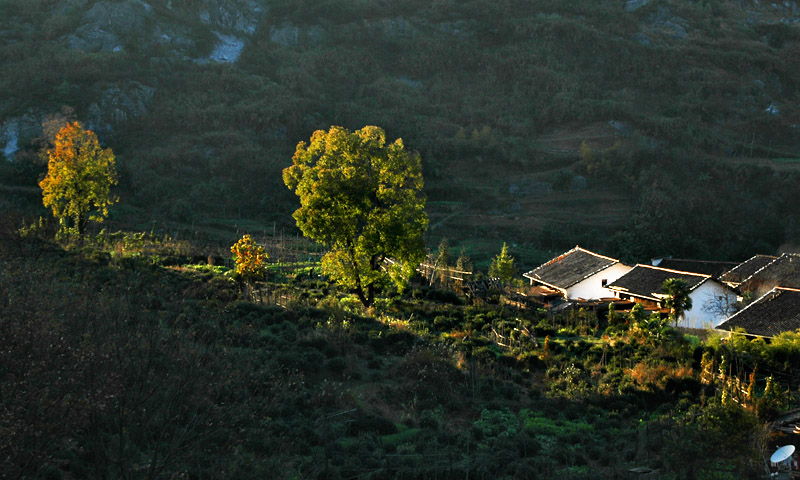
(782, 454)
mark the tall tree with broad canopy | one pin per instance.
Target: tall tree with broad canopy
(80, 174)
(362, 198)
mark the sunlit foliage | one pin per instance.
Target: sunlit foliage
(80, 174)
(502, 265)
(250, 259)
(363, 199)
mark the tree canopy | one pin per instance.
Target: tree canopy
(80, 174)
(362, 198)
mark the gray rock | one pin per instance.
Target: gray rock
(227, 50)
(118, 104)
(633, 5)
(620, 128)
(178, 37)
(108, 25)
(288, 34)
(105, 24)
(17, 132)
(772, 109)
(240, 16)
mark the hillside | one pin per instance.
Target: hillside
(639, 128)
(127, 360)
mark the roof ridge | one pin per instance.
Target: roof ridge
(695, 260)
(746, 261)
(578, 247)
(761, 269)
(653, 267)
(787, 289)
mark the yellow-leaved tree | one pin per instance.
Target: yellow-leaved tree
(80, 174)
(250, 259)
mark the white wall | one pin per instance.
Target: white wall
(709, 301)
(592, 287)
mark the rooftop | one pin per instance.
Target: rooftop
(783, 271)
(775, 312)
(646, 280)
(741, 272)
(706, 267)
(570, 268)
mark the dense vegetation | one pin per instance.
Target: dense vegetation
(130, 359)
(542, 123)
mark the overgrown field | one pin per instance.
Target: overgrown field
(126, 358)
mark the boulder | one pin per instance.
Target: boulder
(228, 48)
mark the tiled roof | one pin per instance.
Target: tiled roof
(706, 267)
(570, 268)
(775, 312)
(741, 272)
(646, 280)
(784, 271)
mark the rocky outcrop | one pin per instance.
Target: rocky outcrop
(106, 26)
(227, 50)
(240, 16)
(16, 132)
(118, 104)
(288, 34)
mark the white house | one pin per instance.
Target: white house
(712, 301)
(579, 274)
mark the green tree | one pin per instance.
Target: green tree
(677, 298)
(502, 265)
(79, 177)
(362, 198)
(441, 263)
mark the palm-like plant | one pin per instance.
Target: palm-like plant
(677, 298)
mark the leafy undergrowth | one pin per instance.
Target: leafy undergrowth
(129, 366)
